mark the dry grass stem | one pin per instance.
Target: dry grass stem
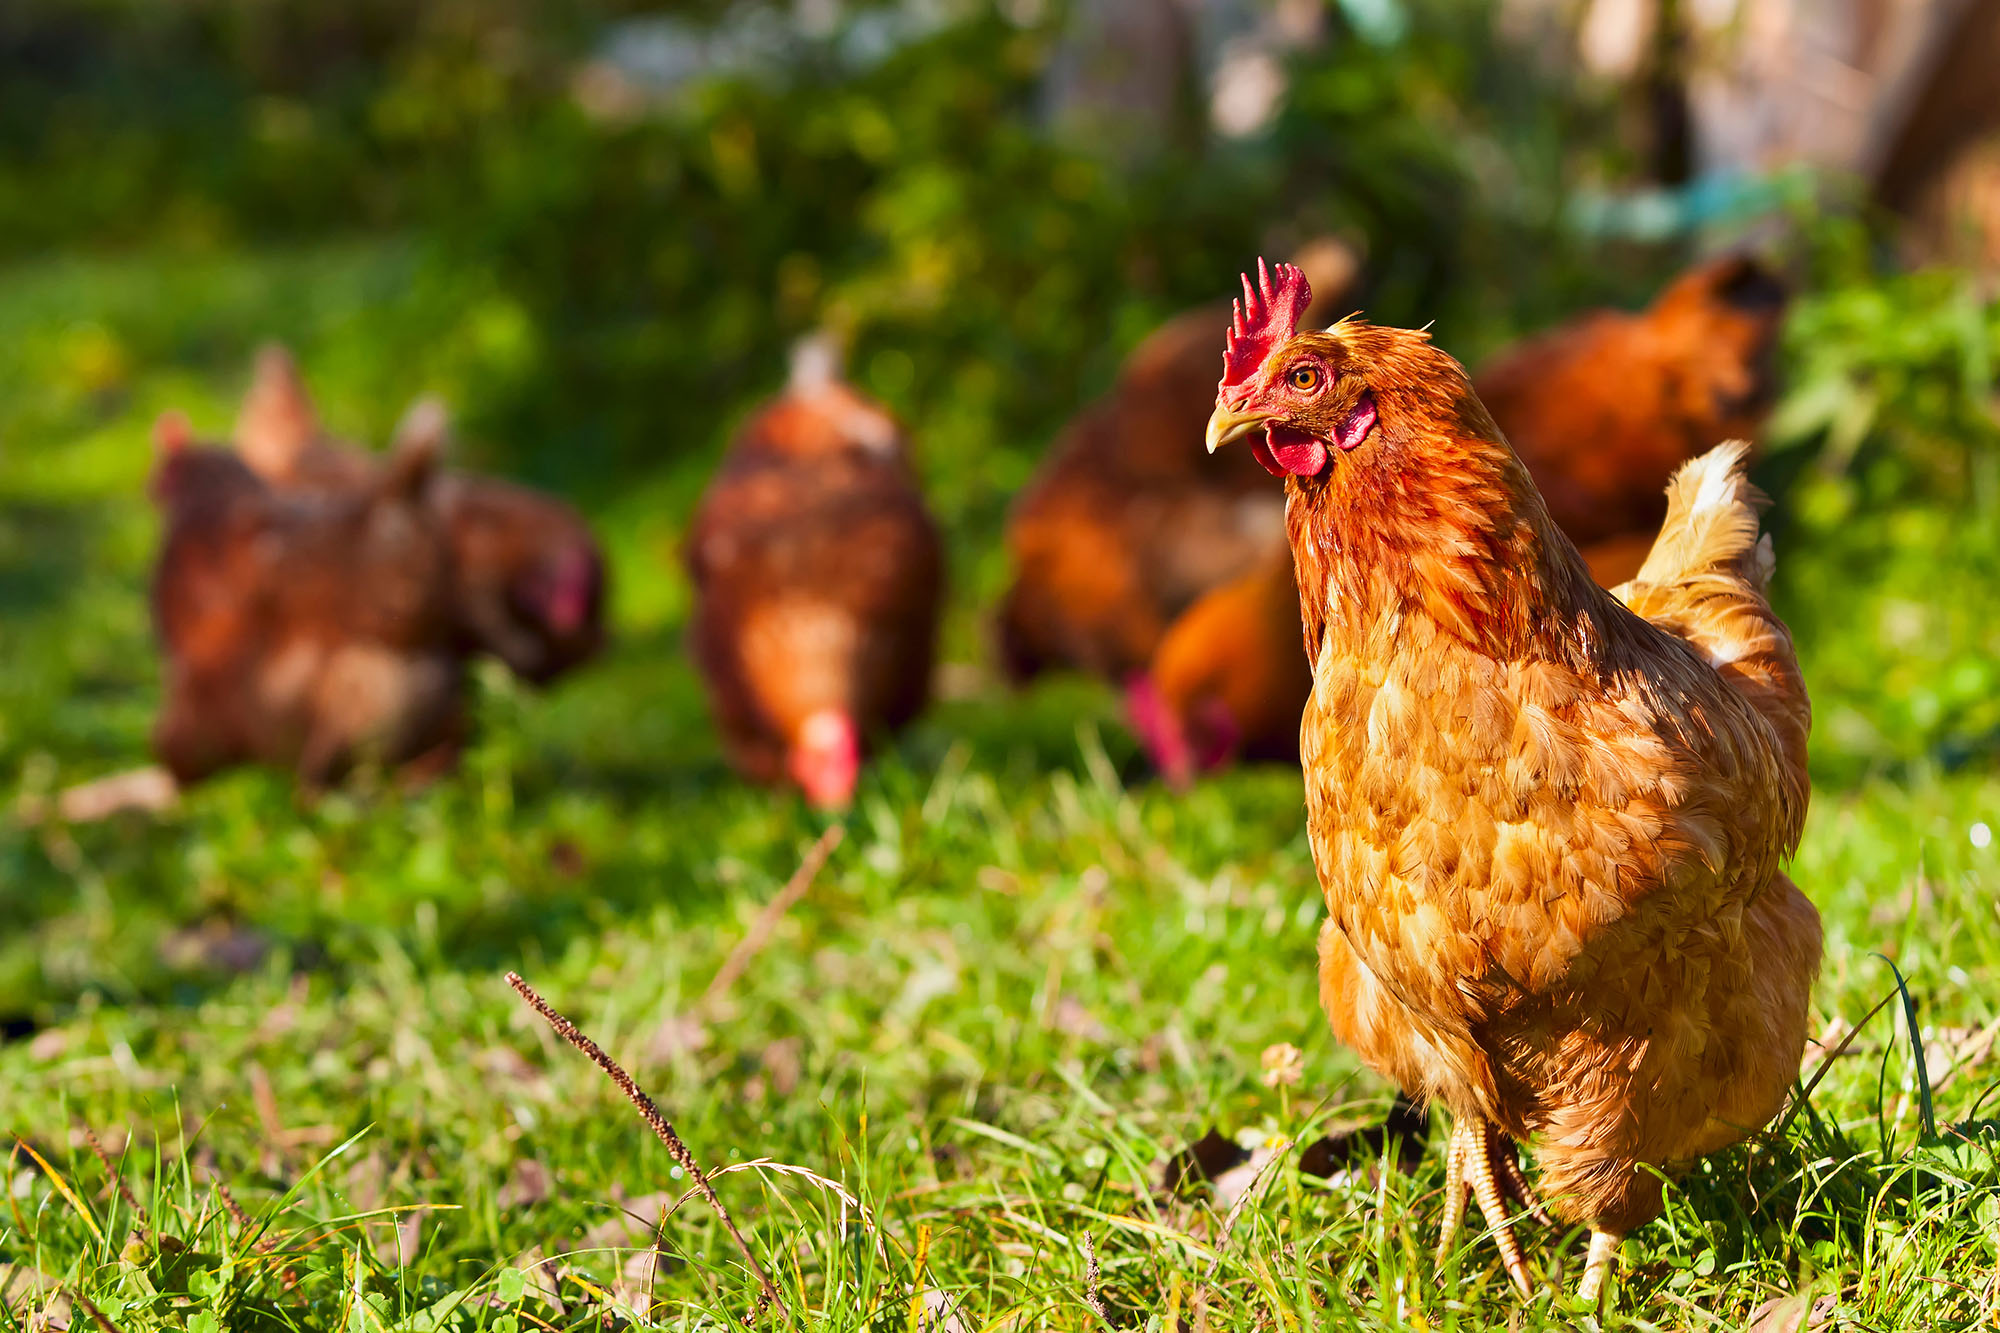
(761, 929)
(1090, 1296)
(97, 1316)
(118, 1179)
(767, 1294)
(242, 1219)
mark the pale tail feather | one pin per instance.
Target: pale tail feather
(1711, 523)
(1705, 581)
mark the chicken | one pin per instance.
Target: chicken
(1602, 410)
(1126, 522)
(528, 577)
(309, 633)
(818, 583)
(1229, 679)
(1548, 820)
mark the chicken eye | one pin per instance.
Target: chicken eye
(1304, 378)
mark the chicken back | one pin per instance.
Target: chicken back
(818, 582)
(1604, 408)
(1548, 819)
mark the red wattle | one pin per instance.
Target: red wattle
(1289, 450)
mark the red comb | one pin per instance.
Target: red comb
(172, 433)
(1263, 317)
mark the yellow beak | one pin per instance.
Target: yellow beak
(1229, 423)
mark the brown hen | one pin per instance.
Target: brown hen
(528, 580)
(1548, 821)
(305, 632)
(1229, 679)
(1604, 408)
(818, 582)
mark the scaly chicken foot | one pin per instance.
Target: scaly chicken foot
(1514, 1184)
(1597, 1266)
(1471, 1164)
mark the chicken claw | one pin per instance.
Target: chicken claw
(1470, 1163)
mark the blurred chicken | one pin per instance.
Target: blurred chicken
(818, 580)
(1228, 680)
(1127, 522)
(1548, 819)
(1602, 410)
(306, 632)
(528, 577)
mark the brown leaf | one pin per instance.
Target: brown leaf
(32, 1294)
(940, 1314)
(527, 1184)
(630, 1223)
(1800, 1312)
(543, 1276)
(782, 1061)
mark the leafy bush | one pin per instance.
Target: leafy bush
(1888, 452)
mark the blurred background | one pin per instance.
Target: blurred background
(595, 228)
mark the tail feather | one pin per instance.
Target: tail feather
(1705, 581)
(1711, 523)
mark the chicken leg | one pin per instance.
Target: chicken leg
(1597, 1266)
(1471, 1163)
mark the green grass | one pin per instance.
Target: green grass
(1021, 984)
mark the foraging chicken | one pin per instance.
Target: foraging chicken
(1228, 680)
(528, 577)
(306, 632)
(1602, 410)
(1126, 523)
(818, 581)
(1548, 820)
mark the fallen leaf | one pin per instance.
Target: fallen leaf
(149, 790)
(940, 1314)
(400, 1246)
(543, 1275)
(630, 1223)
(31, 1293)
(1798, 1313)
(527, 1184)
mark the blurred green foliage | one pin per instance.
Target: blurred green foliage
(646, 261)
(1887, 446)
